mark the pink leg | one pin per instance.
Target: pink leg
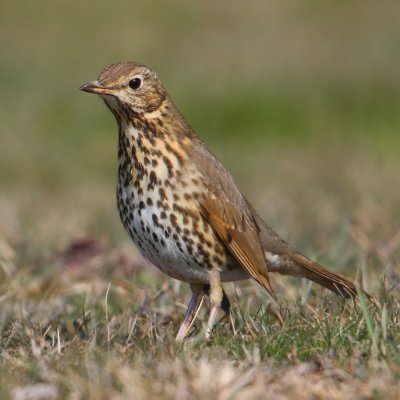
(191, 313)
(211, 321)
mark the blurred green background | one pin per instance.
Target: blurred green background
(300, 99)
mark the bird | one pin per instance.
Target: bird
(183, 209)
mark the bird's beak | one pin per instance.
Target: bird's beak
(95, 87)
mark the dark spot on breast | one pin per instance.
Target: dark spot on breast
(156, 152)
(153, 177)
(149, 201)
(178, 244)
(200, 248)
(133, 151)
(168, 164)
(162, 194)
(154, 247)
(173, 219)
(217, 260)
(200, 236)
(155, 220)
(206, 260)
(174, 152)
(139, 140)
(141, 205)
(219, 249)
(163, 205)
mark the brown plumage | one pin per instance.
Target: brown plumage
(182, 208)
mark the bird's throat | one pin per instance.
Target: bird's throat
(148, 155)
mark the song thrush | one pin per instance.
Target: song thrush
(182, 208)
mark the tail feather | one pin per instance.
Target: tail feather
(283, 259)
(332, 281)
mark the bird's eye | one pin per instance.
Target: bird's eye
(135, 83)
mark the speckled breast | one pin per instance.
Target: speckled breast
(157, 196)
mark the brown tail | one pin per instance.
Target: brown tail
(328, 279)
(277, 250)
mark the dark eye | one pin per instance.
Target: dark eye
(135, 83)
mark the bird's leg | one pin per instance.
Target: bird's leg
(225, 303)
(191, 313)
(216, 296)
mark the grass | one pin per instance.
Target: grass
(88, 329)
(300, 101)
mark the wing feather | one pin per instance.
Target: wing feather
(228, 213)
(240, 238)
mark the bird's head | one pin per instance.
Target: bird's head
(129, 85)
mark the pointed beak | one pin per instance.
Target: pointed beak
(95, 87)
